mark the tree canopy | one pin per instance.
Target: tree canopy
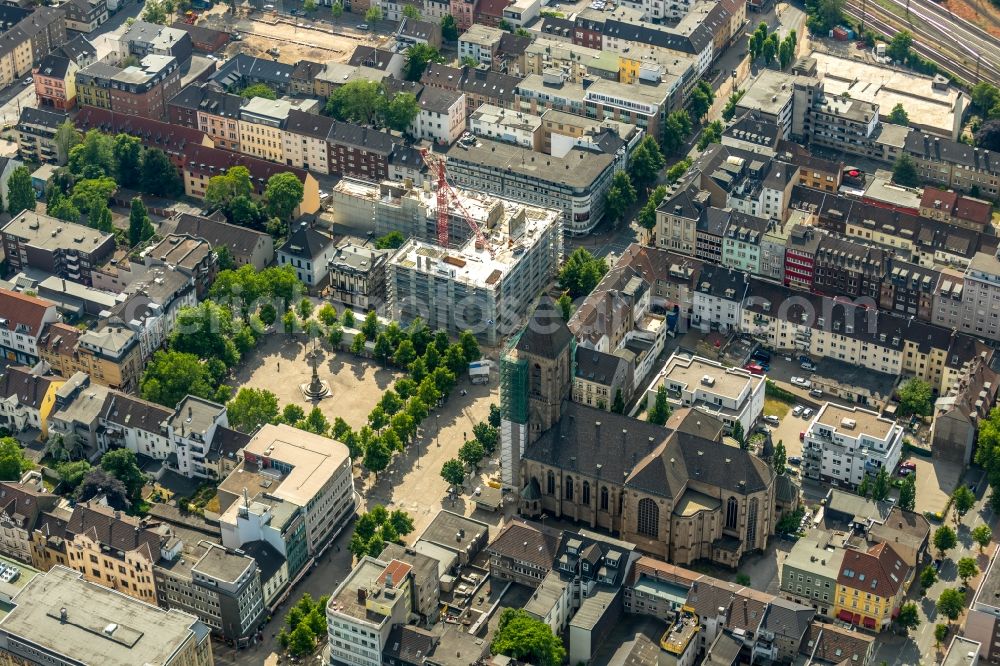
(521, 636)
(899, 116)
(12, 461)
(581, 272)
(646, 162)
(122, 464)
(951, 603)
(661, 408)
(139, 227)
(172, 375)
(391, 241)
(377, 527)
(915, 397)
(20, 191)
(418, 57)
(283, 194)
(252, 408)
(904, 171)
(258, 90)
(449, 28)
(944, 539)
(453, 471)
(619, 197)
(982, 535)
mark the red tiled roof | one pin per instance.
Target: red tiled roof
(946, 198)
(59, 338)
(153, 133)
(29, 311)
(395, 572)
(213, 162)
(879, 571)
(973, 210)
(492, 8)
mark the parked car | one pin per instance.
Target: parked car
(797, 410)
(816, 393)
(794, 460)
(807, 412)
(904, 472)
(754, 368)
(771, 419)
(362, 26)
(800, 382)
(802, 436)
(762, 355)
(808, 365)
(909, 465)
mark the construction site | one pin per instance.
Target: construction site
(295, 38)
(482, 278)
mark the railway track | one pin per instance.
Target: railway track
(967, 37)
(962, 62)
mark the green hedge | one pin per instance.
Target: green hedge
(910, 447)
(772, 390)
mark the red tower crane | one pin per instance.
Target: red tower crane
(447, 196)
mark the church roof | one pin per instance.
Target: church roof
(644, 456)
(592, 441)
(546, 334)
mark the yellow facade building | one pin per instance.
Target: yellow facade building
(105, 546)
(870, 587)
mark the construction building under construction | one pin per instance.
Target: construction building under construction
(484, 283)
(390, 206)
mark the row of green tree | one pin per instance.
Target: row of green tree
(305, 626)
(376, 528)
(485, 437)
(768, 46)
(433, 365)
(209, 339)
(432, 362)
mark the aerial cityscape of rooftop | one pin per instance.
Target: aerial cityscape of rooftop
(499, 332)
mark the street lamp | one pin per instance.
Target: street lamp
(437, 430)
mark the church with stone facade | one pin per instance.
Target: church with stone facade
(676, 491)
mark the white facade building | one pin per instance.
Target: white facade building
(507, 125)
(373, 598)
(310, 471)
(479, 42)
(729, 394)
(180, 437)
(843, 444)
(22, 320)
(980, 297)
(442, 116)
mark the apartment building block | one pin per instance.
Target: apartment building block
(67, 250)
(21, 326)
(732, 395)
(308, 471)
(219, 586)
(209, 109)
(845, 445)
(36, 135)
